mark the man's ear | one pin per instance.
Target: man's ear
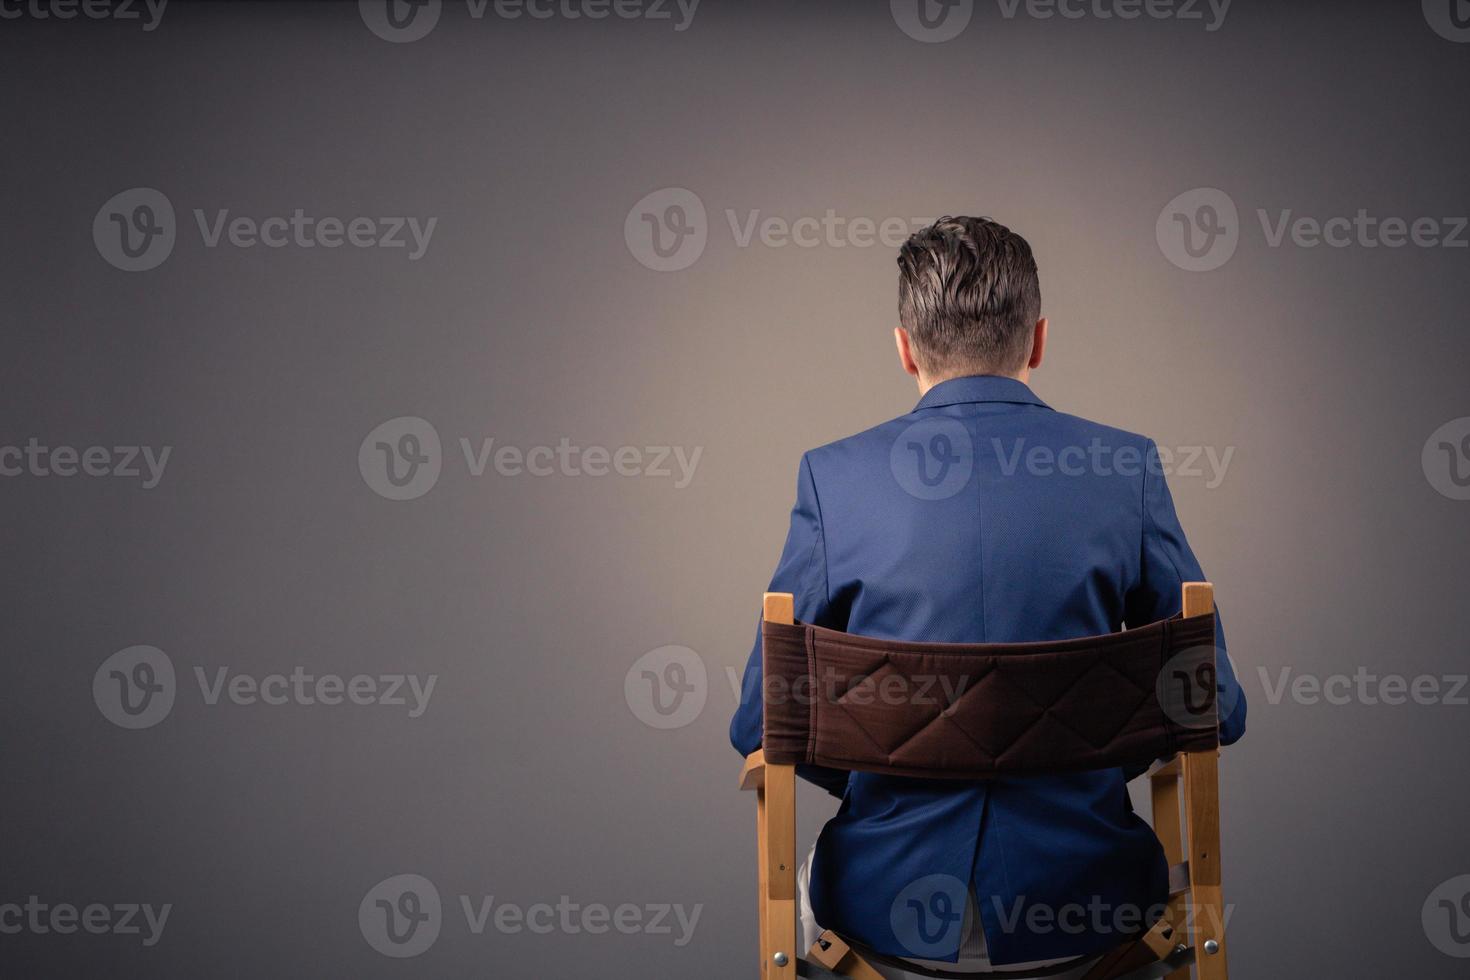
(1038, 345)
(905, 351)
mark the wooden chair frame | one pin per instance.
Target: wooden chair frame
(1186, 813)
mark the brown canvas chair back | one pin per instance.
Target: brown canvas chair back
(977, 711)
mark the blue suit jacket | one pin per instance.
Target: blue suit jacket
(984, 516)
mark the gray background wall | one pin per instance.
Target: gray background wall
(532, 773)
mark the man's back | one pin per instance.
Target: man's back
(985, 516)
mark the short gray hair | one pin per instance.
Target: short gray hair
(969, 296)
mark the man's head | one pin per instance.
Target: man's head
(969, 302)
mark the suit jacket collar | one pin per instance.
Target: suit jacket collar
(979, 388)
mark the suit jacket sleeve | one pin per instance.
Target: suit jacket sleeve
(802, 571)
(1167, 563)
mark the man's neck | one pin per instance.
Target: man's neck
(925, 383)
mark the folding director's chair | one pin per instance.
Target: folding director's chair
(1146, 666)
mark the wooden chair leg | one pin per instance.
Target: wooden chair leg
(762, 856)
(780, 951)
(1207, 919)
(1164, 785)
(780, 873)
(1200, 773)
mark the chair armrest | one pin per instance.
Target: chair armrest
(753, 773)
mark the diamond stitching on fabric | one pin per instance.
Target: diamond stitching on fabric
(1064, 708)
